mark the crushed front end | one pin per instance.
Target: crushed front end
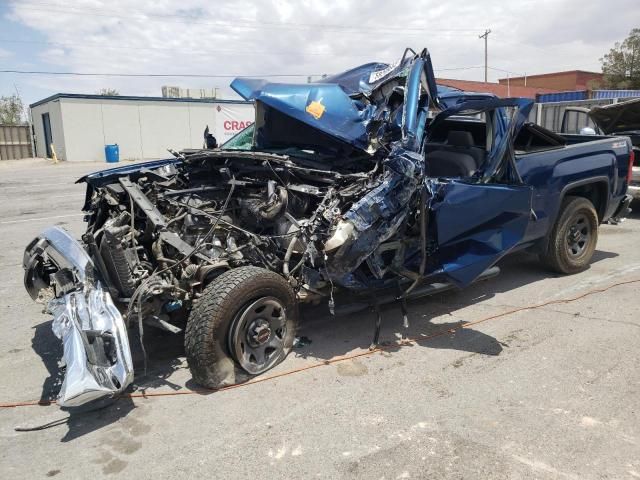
(328, 189)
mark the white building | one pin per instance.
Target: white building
(79, 126)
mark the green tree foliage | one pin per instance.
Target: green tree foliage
(11, 109)
(621, 66)
(108, 92)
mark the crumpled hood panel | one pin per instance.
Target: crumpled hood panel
(340, 106)
(325, 107)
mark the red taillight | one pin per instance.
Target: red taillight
(632, 157)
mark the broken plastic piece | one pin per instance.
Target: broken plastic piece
(301, 342)
(343, 232)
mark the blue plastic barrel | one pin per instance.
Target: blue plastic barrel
(112, 153)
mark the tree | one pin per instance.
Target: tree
(108, 92)
(11, 109)
(621, 66)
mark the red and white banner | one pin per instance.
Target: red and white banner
(231, 119)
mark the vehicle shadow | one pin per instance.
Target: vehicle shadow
(49, 348)
(325, 337)
(165, 356)
(329, 337)
(82, 420)
(95, 416)
(337, 336)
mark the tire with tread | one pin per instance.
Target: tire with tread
(206, 345)
(557, 257)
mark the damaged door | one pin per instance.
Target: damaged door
(477, 225)
(479, 220)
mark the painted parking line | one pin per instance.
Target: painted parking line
(33, 195)
(40, 218)
(77, 195)
(22, 187)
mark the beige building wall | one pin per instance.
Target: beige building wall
(121, 124)
(57, 137)
(143, 129)
(83, 130)
(199, 118)
(164, 126)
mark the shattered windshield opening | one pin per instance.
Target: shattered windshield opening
(243, 140)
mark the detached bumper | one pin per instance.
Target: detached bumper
(96, 348)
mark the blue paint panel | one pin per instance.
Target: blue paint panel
(561, 96)
(323, 106)
(603, 94)
(477, 224)
(125, 170)
(335, 105)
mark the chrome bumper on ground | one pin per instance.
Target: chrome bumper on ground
(94, 336)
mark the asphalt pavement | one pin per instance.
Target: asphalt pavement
(548, 393)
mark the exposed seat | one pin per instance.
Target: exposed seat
(458, 157)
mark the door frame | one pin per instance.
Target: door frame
(48, 136)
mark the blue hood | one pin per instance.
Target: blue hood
(323, 106)
(341, 107)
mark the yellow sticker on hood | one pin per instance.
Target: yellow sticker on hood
(315, 109)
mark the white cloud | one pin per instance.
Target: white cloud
(244, 37)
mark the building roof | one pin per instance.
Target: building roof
(58, 96)
(497, 89)
(551, 74)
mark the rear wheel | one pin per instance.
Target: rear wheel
(244, 324)
(574, 236)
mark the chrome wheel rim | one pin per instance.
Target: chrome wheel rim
(257, 335)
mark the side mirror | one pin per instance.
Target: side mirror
(587, 131)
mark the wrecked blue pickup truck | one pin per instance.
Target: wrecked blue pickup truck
(372, 185)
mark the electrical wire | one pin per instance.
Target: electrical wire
(199, 51)
(139, 295)
(351, 356)
(231, 225)
(240, 22)
(152, 75)
(187, 75)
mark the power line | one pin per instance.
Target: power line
(185, 75)
(457, 68)
(152, 75)
(199, 50)
(237, 21)
(240, 23)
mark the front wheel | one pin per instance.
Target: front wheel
(574, 236)
(244, 324)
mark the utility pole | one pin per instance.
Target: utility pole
(485, 36)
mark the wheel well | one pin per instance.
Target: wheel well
(596, 192)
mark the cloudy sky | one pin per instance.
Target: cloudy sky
(285, 37)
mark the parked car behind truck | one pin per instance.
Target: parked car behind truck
(372, 183)
(620, 119)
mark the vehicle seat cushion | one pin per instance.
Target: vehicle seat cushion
(459, 138)
(458, 157)
(446, 163)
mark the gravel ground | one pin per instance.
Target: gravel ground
(547, 393)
